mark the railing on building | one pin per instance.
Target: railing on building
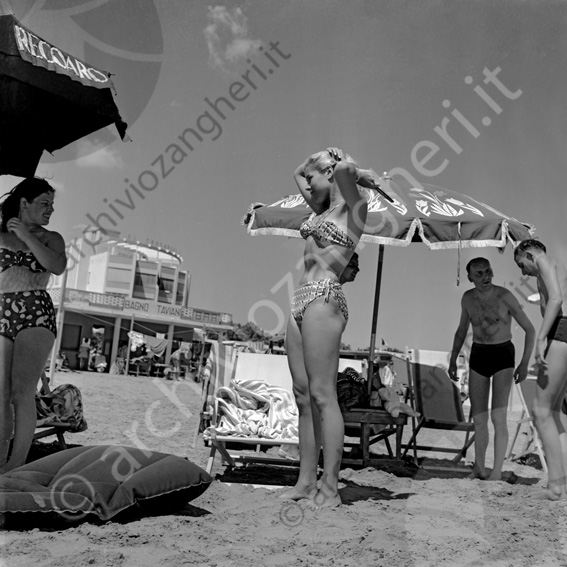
(76, 297)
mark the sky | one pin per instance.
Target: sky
(254, 87)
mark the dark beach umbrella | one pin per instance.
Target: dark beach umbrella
(439, 218)
(48, 99)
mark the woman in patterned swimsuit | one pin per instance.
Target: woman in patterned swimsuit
(328, 182)
(29, 254)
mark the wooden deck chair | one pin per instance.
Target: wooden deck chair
(373, 425)
(218, 372)
(438, 399)
(363, 419)
(52, 429)
(526, 393)
(272, 369)
(47, 430)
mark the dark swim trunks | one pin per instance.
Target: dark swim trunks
(558, 331)
(487, 360)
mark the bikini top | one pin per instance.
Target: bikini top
(9, 259)
(326, 230)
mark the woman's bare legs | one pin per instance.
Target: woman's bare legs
(551, 387)
(30, 351)
(6, 413)
(501, 386)
(309, 420)
(321, 331)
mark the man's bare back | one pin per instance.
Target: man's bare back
(558, 267)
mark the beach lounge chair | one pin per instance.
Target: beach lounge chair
(42, 431)
(263, 375)
(58, 411)
(256, 369)
(53, 429)
(375, 424)
(216, 374)
(438, 399)
(361, 421)
(526, 393)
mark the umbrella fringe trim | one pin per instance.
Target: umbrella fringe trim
(415, 225)
(384, 240)
(468, 244)
(273, 232)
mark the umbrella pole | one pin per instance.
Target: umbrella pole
(375, 318)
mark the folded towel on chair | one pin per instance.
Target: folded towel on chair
(253, 408)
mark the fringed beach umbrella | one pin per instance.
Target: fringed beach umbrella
(439, 218)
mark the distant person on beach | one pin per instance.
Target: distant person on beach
(84, 352)
(329, 181)
(29, 254)
(551, 361)
(490, 309)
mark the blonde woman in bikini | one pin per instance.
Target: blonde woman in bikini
(329, 181)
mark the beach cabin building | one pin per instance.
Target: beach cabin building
(115, 286)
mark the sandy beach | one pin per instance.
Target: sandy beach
(398, 515)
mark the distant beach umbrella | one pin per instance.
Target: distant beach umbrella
(48, 99)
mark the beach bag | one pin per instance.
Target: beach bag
(63, 405)
(352, 391)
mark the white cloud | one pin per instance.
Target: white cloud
(96, 154)
(226, 37)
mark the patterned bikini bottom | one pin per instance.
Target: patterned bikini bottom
(24, 310)
(309, 292)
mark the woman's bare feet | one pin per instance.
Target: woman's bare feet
(320, 502)
(298, 492)
(478, 473)
(325, 498)
(494, 475)
(552, 493)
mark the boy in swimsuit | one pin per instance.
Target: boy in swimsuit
(490, 309)
(551, 361)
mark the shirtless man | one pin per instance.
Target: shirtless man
(490, 309)
(551, 361)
